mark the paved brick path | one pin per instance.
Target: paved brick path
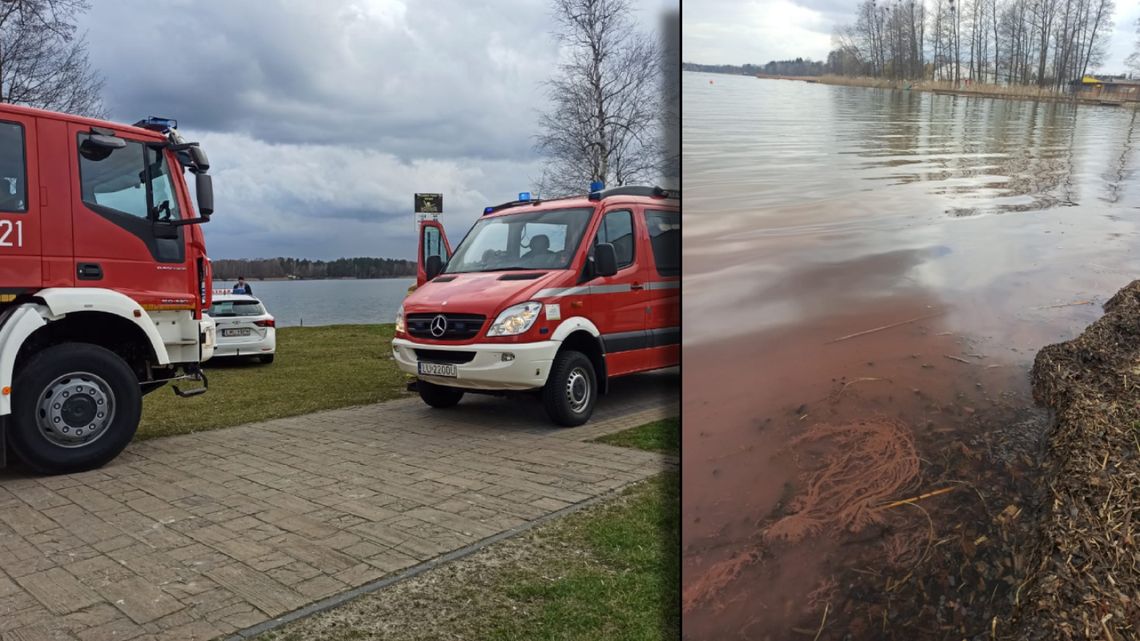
(199, 536)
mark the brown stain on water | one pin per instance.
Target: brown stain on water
(746, 460)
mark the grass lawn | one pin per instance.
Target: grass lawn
(611, 571)
(659, 436)
(317, 368)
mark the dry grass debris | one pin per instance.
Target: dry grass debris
(1084, 576)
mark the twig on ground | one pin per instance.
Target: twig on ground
(916, 498)
(1074, 304)
(862, 379)
(879, 329)
(957, 358)
(822, 622)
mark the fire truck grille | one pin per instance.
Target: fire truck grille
(459, 327)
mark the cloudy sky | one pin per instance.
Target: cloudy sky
(322, 119)
(756, 31)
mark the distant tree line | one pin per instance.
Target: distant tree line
(303, 268)
(1046, 43)
(1042, 43)
(797, 67)
(743, 70)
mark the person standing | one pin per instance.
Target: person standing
(243, 287)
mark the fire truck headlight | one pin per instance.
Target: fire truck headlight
(516, 319)
(400, 320)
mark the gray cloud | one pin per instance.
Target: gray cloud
(322, 119)
(440, 78)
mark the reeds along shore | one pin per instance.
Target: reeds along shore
(1019, 92)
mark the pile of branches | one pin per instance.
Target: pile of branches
(1084, 577)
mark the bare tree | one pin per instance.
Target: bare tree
(1047, 43)
(1133, 59)
(604, 121)
(43, 61)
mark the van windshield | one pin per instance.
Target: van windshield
(534, 240)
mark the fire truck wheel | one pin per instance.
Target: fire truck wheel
(440, 396)
(571, 390)
(75, 407)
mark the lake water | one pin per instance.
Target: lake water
(867, 267)
(330, 302)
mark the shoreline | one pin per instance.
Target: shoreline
(1015, 92)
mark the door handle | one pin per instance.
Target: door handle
(89, 271)
(637, 287)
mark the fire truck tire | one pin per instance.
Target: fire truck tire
(439, 396)
(63, 395)
(571, 389)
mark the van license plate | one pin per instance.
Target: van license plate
(235, 332)
(438, 369)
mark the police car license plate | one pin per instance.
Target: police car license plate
(236, 332)
(438, 369)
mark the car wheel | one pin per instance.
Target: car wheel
(439, 396)
(571, 390)
(266, 358)
(75, 407)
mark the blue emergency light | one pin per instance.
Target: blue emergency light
(524, 196)
(158, 124)
(487, 210)
(597, 185)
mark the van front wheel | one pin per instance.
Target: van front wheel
(571, 390)
(439, 396)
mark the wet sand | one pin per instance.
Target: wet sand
(975, 253)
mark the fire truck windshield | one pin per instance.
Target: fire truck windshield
(533, 240)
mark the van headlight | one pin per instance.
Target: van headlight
(400, 320)
(515, 319)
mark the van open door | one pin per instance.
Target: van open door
(434, 251)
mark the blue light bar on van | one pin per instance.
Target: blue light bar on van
(597, 185)
(487, 210)
(524, 196)
(161, 125)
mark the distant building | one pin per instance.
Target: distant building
(966, 72)
(1107, 87)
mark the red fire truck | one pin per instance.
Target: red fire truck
(556, 297)
(103, 281)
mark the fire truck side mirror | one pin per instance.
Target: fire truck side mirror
(204, 184)
(201, 162)
(105, 142)
(605, 260)
(433, 267)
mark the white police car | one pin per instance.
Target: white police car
(244, 326)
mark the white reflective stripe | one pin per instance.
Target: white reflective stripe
(585, 290)
(582, 290)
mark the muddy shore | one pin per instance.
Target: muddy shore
(808, 514)
(874, 526)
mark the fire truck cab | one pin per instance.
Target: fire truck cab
(103, 281)
(555, 296)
